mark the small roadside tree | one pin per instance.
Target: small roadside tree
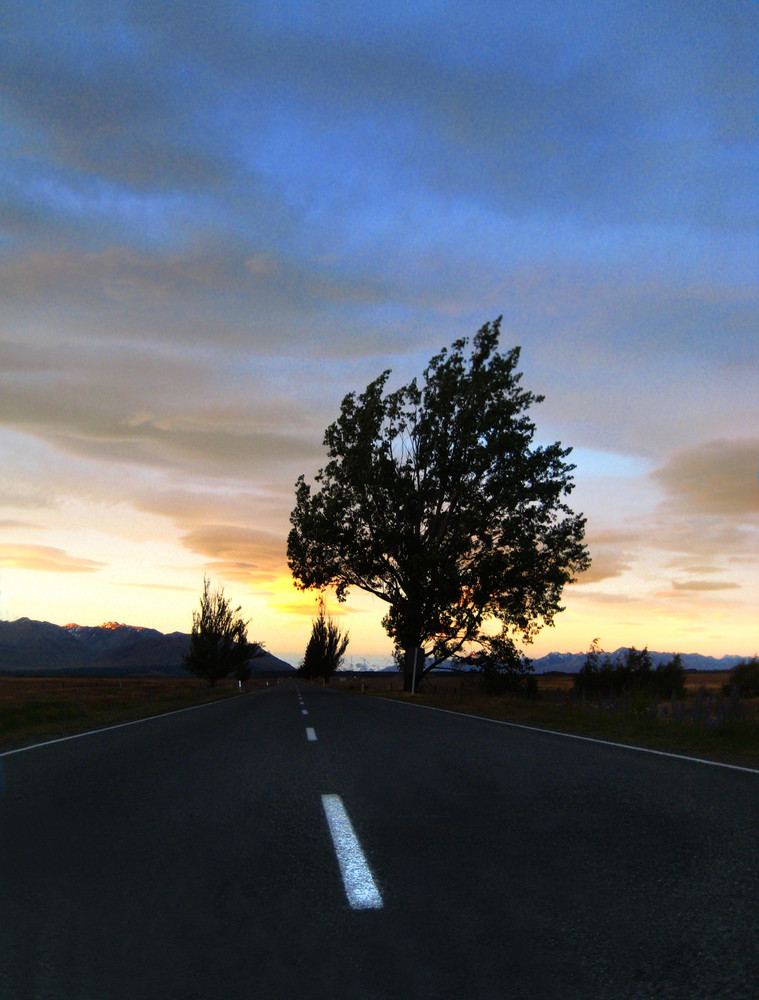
(598, 675)
(219, 643)
(502, 668)
(669, 678)
(326, 646)
(434, 500)
(634, 669)
(745, 676)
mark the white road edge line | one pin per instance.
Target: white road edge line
(360, 887)
(116, 725)
(310, 733)
(584, 739)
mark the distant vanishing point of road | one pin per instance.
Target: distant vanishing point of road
(301, 843)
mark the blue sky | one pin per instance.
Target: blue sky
(217, 219)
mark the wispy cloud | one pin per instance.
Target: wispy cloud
(148, 406)
(238, 553)
(704, 585)
(45, 558)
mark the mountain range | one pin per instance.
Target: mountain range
(571, 663)
(31, 647)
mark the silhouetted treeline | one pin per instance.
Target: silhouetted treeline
(628, 672)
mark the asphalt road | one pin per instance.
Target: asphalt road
(190, 857)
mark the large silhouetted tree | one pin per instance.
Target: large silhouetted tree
(435, 500)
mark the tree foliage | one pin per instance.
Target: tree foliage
(669, 678)
(502, 668)
(745, 676)
(219, 643)
(435, 500)
(326, 646)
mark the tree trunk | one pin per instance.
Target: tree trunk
(413, 655)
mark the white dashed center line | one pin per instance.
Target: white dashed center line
(303, 712)
(360, 887)
(310, 733)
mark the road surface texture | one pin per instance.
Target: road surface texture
(190, 856)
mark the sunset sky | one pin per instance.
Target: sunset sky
(218, 218)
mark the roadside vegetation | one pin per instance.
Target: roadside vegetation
(745, 676)
(43, 708)
(219, 644)
(326, 647)
(708, 719)
(34, 709)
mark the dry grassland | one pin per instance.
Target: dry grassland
(706, 724)
(40, 708)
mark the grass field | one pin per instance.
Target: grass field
(39, 708)
(705, 724)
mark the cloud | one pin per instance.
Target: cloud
(276, 179)
(193, 503)
(601, 597)
(699, 536)
(160, 586)
(610, 553)
(585, 129)
(27, 497)
(216, 293)
(122, 275)
(309, 608)
(312, 123)
(716, 478)
(692, 564)
(146, 406)
(105, 111)
(45, 558)
(706, 524)
(237, 553)
(606, 564)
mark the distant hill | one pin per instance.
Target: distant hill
(112, 649)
